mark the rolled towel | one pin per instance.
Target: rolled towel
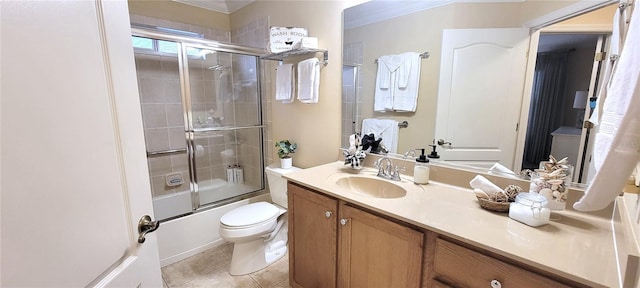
(500, 168)
(479, 182)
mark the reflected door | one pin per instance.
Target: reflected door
(479, 97)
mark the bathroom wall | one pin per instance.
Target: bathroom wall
(315, 127)
(180, 13)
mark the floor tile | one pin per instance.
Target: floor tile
(220, 277)
(273, 274)
(194, 267)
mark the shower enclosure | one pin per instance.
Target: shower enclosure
(201, 108)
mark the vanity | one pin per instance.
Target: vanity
(345, 230)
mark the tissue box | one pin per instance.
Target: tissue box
(285, 38)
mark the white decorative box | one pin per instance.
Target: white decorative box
(285, 38)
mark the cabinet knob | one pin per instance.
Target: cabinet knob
(343, 221)
(496, 284)
(328, 213)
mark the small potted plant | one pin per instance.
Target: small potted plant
(284, 149)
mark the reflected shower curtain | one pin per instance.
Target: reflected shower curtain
(546, 100)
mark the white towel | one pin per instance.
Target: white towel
(309, 80)
(618, 136)
(614, 51)
(484, 184)
(397, 82)
(387, 129)
(405, 97)
(284, 83)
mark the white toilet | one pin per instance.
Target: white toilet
(259, 230)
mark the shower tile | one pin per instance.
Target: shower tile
(154, 115)
(180, 163)
(177, 138)
(159, 165)
(170, 68)
(175, 115)
(148, 66)
(159, 186)
(203, 173)
(197, 91)
(157, 139)
(171, 91)
(151, 90)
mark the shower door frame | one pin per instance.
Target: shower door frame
(185, 91)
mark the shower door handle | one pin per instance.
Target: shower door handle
(145, 225)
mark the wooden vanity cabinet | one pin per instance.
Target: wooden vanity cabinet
(373, 251)
(459, 266)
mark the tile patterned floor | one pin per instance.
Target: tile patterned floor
(211, 269)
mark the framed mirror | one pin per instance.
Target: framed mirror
(383, 28)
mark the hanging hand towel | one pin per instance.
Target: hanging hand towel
(405, 95)
(387, 129)
(284, 83)
(618, 138)
(309, 80)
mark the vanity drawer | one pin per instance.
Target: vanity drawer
(462, 267)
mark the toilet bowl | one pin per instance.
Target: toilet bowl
(259, 230)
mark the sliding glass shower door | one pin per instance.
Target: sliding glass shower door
(201, 110)
(226, 122)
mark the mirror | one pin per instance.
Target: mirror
(377, 28)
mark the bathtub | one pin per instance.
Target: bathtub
(209, 191)
(186, 236)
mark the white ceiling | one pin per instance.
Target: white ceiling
(222, 6)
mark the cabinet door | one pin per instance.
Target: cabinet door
(375, 252)
(312, 238)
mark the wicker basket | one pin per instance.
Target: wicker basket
(494, 206)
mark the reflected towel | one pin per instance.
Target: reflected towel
(397, 83)
(387, 129)
(617, 142)
(309, 80)
(284, 83)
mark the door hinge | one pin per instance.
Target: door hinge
(600, 56)
(587, 125)
(517, 126)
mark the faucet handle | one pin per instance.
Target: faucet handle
(396, 173)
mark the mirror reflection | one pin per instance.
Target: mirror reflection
(470, 90)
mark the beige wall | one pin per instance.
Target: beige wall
(174, 11)
(315, 127)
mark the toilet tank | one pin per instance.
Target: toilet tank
(277, 184)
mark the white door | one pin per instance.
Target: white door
(74, 173)
(480, 91)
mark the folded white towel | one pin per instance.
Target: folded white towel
(284, 83)
(617, 141)
(482, 183)
(387, 129)
(309, 80)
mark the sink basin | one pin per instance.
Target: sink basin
(372, 187)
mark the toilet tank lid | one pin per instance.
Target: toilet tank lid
(276, 169)
(250, 214)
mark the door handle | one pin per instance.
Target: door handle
(145, 225)
(443, 142)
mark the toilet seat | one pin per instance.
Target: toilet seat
(248, 220)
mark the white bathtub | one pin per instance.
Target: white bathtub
(209, 191)
(189, 235)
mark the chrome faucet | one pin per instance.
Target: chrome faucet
(392, 171)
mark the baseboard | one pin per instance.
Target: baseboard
(189, 253)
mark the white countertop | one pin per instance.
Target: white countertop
(577, 246)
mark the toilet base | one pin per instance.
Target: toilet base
(255, 255)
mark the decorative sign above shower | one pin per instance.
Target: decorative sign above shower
(285, 38)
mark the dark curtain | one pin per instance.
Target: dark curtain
(546, 98)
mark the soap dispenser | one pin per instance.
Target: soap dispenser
(434, 153)
(421, 169)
